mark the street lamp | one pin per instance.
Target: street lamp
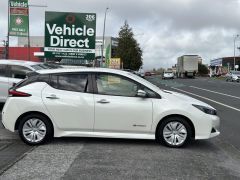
(104, 33)
(234, 42)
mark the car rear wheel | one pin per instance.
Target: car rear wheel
(174, 132)
(35, 129)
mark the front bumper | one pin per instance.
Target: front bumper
(212, 130)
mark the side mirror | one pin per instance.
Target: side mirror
(141, 93)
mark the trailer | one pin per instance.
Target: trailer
(187, 66)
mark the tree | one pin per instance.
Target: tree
(128, 49)
(202, 69)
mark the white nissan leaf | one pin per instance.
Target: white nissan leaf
(95, 102)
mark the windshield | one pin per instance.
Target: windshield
(46, 66)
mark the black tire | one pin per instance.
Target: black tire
(49, 129)
(159, 134)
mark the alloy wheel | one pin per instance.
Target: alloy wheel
(34, 130)
(175, 133)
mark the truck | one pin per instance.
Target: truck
(187, 66)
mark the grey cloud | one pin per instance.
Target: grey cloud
(164, 29)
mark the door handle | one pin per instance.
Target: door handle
(52, 96)
(103, 101)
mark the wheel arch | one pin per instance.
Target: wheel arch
(177, 115)
(29, 113)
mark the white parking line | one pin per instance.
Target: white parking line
(236, 109)
(215, 92)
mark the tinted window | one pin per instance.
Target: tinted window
(18, 72)
(70, 82)
(3, 70)
(33, 79)
(115, 85)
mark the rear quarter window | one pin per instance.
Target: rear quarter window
(33, 79)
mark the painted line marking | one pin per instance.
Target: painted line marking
(215, 92)
(236, 109)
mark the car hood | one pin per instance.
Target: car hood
(182, 98)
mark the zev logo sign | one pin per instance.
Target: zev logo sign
(70, 35)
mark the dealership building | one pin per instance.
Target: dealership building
(223, 65)
(20, 52)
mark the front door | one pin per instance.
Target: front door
(117, 108)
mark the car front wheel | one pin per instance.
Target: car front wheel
(174, 132)
(35, 129)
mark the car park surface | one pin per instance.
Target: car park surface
(94, 158)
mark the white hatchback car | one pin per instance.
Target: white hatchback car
(168, 75)
(13, 71)
(95, 102)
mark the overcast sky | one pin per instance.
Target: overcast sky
(165, 29)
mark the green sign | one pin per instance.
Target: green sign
(70, 35)
(19, 19)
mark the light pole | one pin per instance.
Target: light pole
(103, 39)
(234, 43)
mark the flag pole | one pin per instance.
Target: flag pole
(7, 44)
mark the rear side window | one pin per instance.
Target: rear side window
(18, 72)
(70, 82)
(3, 70)
(33, 79)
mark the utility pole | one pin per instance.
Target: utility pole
(104, 34)
(7, 42)
(234, 46)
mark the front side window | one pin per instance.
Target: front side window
(70, 82)
(18, 72)
(109, 84)
(3, 70)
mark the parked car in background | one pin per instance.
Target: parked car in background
(233, 76)
(13, 71)
(148, 74)
(101, 102)
(168, 75)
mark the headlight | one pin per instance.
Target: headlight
(206, 110)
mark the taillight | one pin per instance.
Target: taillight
(15, 93)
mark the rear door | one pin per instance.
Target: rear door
(70, 102)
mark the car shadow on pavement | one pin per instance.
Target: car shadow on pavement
(194, 144)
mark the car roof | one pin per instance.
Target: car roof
(18, 62)
(82, 69)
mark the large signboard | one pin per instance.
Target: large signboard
(70, 35)
(19, 18)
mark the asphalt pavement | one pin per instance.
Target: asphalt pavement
(92, 158)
